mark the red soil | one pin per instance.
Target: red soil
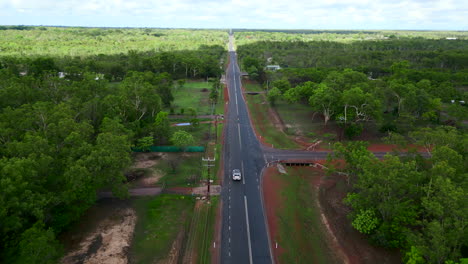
(272, 202)
(347, 244)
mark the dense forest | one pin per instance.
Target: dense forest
(409, 202)
(370, 57)
(67, 123)
(414, 90)
(84, 42)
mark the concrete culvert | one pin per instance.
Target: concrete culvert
(301, 164)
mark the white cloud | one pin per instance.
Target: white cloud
(342, 14)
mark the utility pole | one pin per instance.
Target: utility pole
(208, 165)
(208, 160)
(216, 128)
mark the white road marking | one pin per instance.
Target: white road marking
(240, 140)
(235, 92)
(248, 229)
(243, 174)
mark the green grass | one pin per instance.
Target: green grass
(199, 133)
(191, 95)
(259, 114)
(159, 221)
(300, 229)
(187, 172)
(298, 119)
(253, 87)
(202, 226)
(298, 116)
(205, 229)
(219, 148)
(220, 104)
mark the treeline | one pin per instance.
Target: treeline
(279, 32)
(66, 132)
(397, 103)
(409, 202)
(370, 57)
(83, 42)
(245, 37)
(414, 90)
(202, 63)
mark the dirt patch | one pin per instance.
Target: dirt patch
(153, 178)
(147, 160)
(108, 243)
(276, 119)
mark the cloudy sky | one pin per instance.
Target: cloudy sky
(276, 14)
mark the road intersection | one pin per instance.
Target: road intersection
(244, 232)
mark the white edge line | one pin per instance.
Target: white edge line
(248, 229)
(240, 140)
(243, 174)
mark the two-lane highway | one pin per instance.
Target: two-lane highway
(244, 233)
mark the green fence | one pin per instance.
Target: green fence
(171, 149)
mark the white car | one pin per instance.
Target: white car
(236, 175)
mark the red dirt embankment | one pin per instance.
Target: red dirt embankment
(346, 243)
(272, 202)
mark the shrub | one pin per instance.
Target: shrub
(353, 130)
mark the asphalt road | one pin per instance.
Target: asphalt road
(244, 237)
(244, 234)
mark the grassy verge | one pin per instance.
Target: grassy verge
(258, 108)
(193, 94)
(206, 230)
(298, 120)
(300, 229)
(220, 104)
(200, 133)
(298, 117)
(159, 221)
(181, 170)
(218, 162)
(200, 237)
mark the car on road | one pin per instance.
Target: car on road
(236, 175)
